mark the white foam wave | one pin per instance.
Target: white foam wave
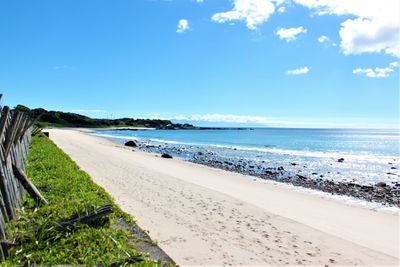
(315, 154)
(270, 150)
(169, 142)
(123, 137)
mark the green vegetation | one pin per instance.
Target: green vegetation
(70, 192)
(67, 119)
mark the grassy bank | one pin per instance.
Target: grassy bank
(70, 192)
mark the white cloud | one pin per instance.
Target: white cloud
(374, 29)
(298, 71)
(394, 64)
(253, 12)
(323, 39)
(374, 73)
(365, 35)
(183, 25)
(215, 119)
(290, 34)
(282, 9)
(199, 1)
(225, 118)
(377, 72)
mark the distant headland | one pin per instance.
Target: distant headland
(73, 120)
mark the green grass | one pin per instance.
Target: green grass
(69, 191)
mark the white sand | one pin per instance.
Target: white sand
(206, 216)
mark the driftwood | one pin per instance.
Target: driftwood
(87, 219)
(27, 184)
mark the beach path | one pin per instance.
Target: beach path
(205, 216)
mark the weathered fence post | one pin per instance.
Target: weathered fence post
(15, 137)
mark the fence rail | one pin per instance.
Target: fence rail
(15, 138)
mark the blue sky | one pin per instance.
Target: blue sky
(297, 63)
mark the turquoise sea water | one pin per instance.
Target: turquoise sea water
(369, 155)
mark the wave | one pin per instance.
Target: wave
(267, 150)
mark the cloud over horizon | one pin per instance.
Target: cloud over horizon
(263, 121)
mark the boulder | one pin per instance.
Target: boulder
(131, 144)
(381, 184)
(340, 160)
(166, 156)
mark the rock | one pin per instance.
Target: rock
(301, 177)
(381, 184)
(131, 144)
(293, 164)
(281, 168)
(393, 168)
(166, 156)
(340, 160)
(367, 188)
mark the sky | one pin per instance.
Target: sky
(278, 63)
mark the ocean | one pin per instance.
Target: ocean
(363, 156)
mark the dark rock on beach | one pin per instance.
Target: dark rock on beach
(381, 184)
(131, 144)
(166, 156)
(340, 160)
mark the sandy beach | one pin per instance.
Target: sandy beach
(205, 216)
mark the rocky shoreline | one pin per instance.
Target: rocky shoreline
(381, 192)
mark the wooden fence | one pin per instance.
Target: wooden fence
(15, 138)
